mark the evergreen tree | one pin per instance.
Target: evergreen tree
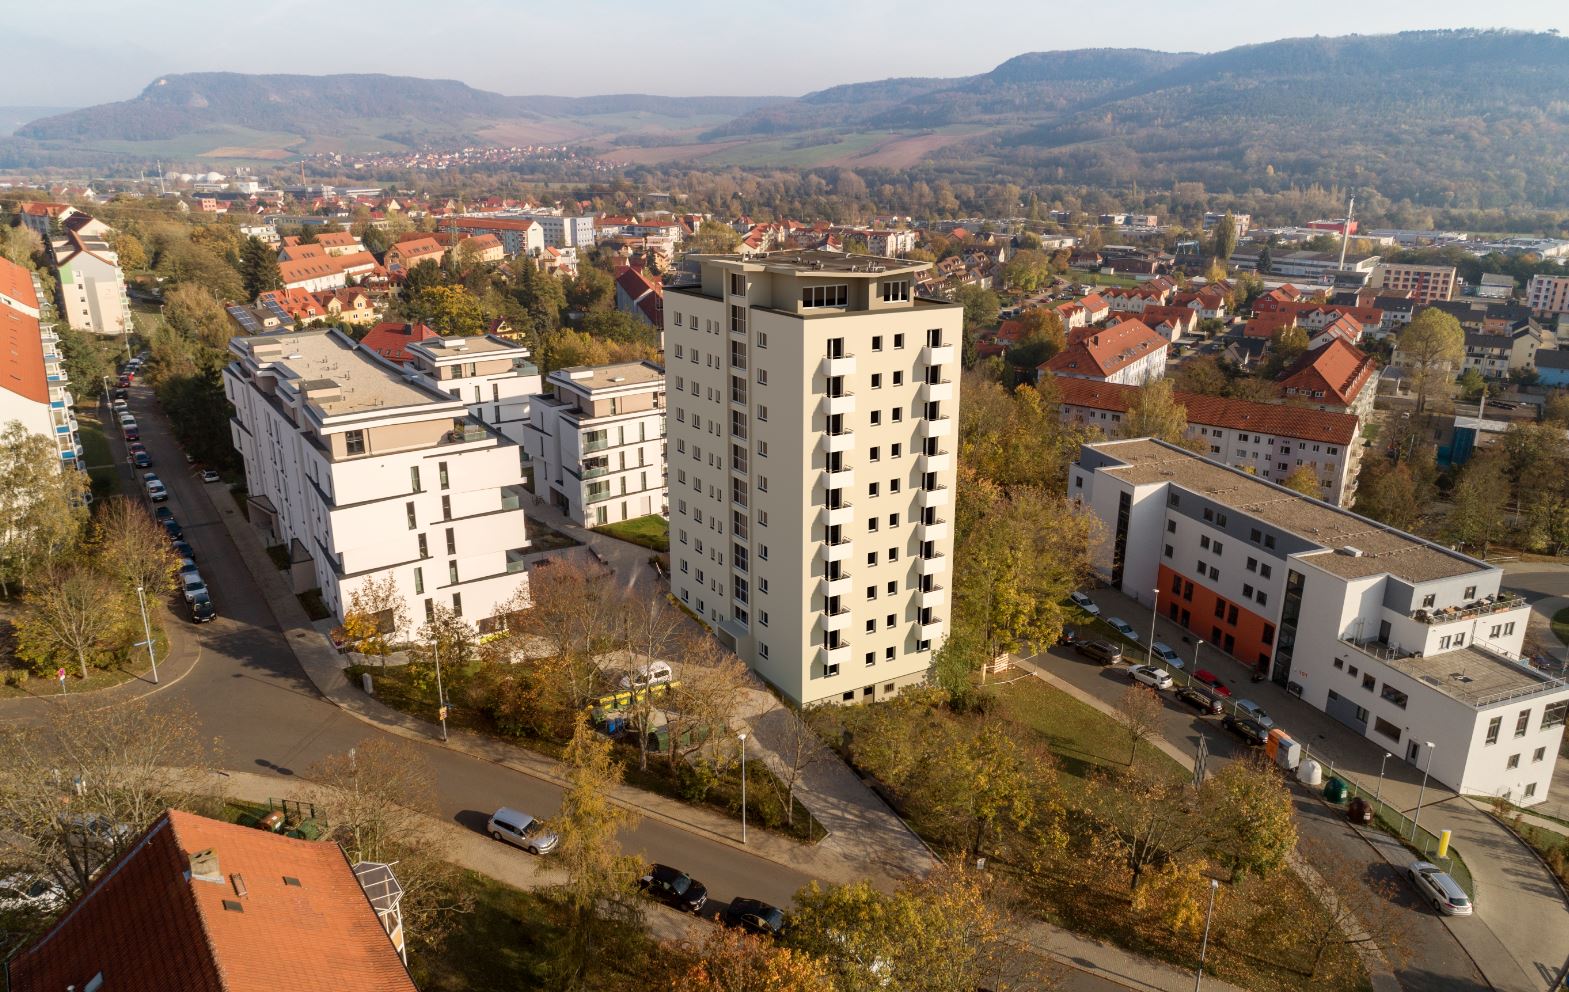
(258, 268)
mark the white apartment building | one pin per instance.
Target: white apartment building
(491, 374)
(33, 386)
(1408, 643)
(518, 235)
(596, 439)
(368, 470)
(562, 231)
(813, 398)
(92, 288)
(1427, 283)
(1548, 295)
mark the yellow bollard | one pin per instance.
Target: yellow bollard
(1443, 843)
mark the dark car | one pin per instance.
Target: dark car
(173, 527)
(674, 888)
(141, 459)
(1251, 731)
(1104, 652)
(755, 916)
(202, 609)
(184, 550)
(1202, 699)
(125, 380)
(163, 513)
(1068, 636)
(119, 393)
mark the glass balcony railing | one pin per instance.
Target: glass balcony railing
(596, 443)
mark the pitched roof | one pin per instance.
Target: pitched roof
(1107, 351)
(147, 925)
(1336, 368)
(21, 339)
(337, 239)
(1264, 324)
(1218, 411)
(389, 338)
(16, 282)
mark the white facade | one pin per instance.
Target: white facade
(813, 401)
(1405, 642)
(597, 442)
(34, 390)
(92, 288)
(491, 374)
(372, 471)
(563, 231)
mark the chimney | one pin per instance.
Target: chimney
(204, 866)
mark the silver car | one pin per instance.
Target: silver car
(1155, 678)
(521, 830)
(1438, 888)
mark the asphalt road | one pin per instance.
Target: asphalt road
(1436, 962)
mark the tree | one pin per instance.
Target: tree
(1040, 336)
(1155, 413)
(1285, 347)
(613, 325)
(1395, 494)
(381, 794)
(181, 260)
(730, 960)
(1252, 821)
(376, 617)
(449, 310)
(1305, 481)
(980, 306)
(714, 238)
(1431, 348)
(71, 615)
(196, 315)
(1477, 518)
(1266, 258)
(110, 770)
(129, 251)
(129, 545)
(1139, 712)
(1555, 410)
(1026, 271)
(20, 245)
(86, 363)
(591, 289)
(599, 894)
(705, 695)
(1148, 816)
(795, 742)
(1352, 914)
(259, 268)
(1202, 374)
(1225, 238)
(1473, 385)
(42, 505)
(980, 782)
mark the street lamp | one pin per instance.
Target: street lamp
(1149, 649)
(147, 631)
(441, 697)
(1198, 979)
(1416, 817)
(1380, 793)
(1198, 644)
(742, 735)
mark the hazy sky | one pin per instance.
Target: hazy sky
(101, 50)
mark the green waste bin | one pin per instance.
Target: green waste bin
(1335, 790)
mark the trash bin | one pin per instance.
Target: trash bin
(1335, 790)
(1310, 774)
(1360, 811)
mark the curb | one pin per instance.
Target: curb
(41, 701)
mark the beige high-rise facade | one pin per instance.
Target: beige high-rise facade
(813, 410)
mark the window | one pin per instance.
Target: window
(452, 541)
(1252, 565)
(441, 472)
(877, 417)
(414, 478)
(452, 573)
(446, 507)
(1470, 593)
(762, 413)
(825, 296)
(457, 604)
(408, 511)
(829, 671)
(898, 378)
(1263, 571)
(419, 581)
(1247, 591)
(877, 380)
(1169, 552)
(1522, 723)
(1538, 754)
(898, 341)
(1428, 600)
(1553, 716)
(871, 489)
(1386, 728)
(1530, 789)
(1513, 762)
(877, 342)
(1204, 542)
(424, 547)
(1340, 663)
(1493, 726)
(896, 291)
(354, 442)
(1369, 683)
(1171, 526)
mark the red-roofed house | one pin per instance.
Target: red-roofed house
(1341, 326)
(1335, 377)
(1266, 324)
(390, 338)
(518, 235)
(1269, 439)
(641, 296)
(197, 905)
(404, 255)
(1272, 300)
(1129, 353)
(303, 306)
(1170, 321)
(33, 384)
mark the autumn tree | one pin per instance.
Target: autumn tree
(1139, 712)
(130, 252)
(449, 310)
(1477, 517)
(1286, 345)
(129, 545)
(1555, 409)
(1305, 481)
(1224, 238)
(714, 238)
(705, 696)
(1431, 348)
(192, 311)
(730, 960)
(381, 794)
(980, 305)
(1252, 823)
(599, 895)
(1395, 494)
(1026, 271)
(376, 616)
(20, 245)
(979, 782)
(591, 289)
(83, 781)
(1352, 914)
(1041, 336)
(1016, 437)
(1156, 413)
(1149, 816)
(44, 507)
(1202, 374)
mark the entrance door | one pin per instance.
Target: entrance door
(1412, 749)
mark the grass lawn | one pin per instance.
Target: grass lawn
(97, 456)
(1099, 279)
(1561, 625)
(652, 531)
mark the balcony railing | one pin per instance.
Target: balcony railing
(596, 444)
(1501, 603)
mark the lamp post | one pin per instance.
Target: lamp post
(1416, 816)
(742, 735)
(1149, 649)
(1198, 979)
(147, 631)
(441, 696)
(1380, 793)
(1197, 644)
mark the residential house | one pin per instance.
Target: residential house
(411, 251)
(1497, 355)
(351, 305)
(640, 295)
(1548, 295)
(391, 339)
(34, 387)
(92, 287)
(1335, 376)
(298, 305)
(518, 235)
(493, 375)
(1128, 352)
(1426, 283)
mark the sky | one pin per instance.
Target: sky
(108, 50)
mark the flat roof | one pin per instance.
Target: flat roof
(590, 377)
(454, 347)
(816, 260)
(320, 358)
(1383, 549)
(1473, 676)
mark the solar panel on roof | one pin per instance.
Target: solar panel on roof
(245, 318)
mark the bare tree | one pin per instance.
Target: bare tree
(1148, 816)
(379, 797)
(131, 546)
(74, 612)
(1350, 911)
(709, 686)
(1139, 711)
(81, 786)
(646, 632)
(798, 749)
(572, 613)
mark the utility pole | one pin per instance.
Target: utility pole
(441, 696)
(1345, 233)
(147, 630)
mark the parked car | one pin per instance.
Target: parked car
(1250, 731)
(125, 417)
(1202, 699)
(174, 530)
(1212, 680)
(208, 475)
(755, 916)
(163, 513)
(1253, 711)
(655, 673)
(1068, 636)
(521, 830)
(188, 565)
(156, 491)
(119, 406)
(1155, 678)
(674, 887)
(1085, 603)
(136, 446)
(1164, 652)
(119, 393)
(125, 380)
(1438, 888)
(1104, 652)
(202, 609)
(194, 586)
(130, 432)
(1121, 626)
(184, 550)
(33, 893)
(141, 459)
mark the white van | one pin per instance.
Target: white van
(656, 673)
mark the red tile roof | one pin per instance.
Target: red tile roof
(1336, 369)
(147, 926)
(21, 339)
(389, 338)
(487, 223)
(1218, 411)
(1265, 324)
(1107, 351)
(16, 282)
